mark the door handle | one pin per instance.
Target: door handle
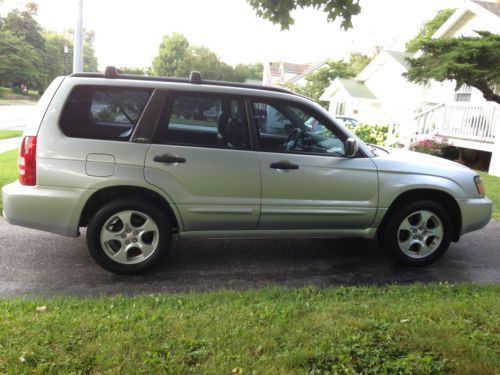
(283, 165)
(168, 158)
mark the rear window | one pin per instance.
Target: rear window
(109, 113)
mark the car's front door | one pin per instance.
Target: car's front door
(201, 158)
(307, 182)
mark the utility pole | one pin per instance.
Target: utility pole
(78, 44)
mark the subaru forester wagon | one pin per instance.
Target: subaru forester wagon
(141, 160)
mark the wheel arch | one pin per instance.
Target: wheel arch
(438, 196)
(107, 194)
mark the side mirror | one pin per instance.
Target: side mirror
(351, 147)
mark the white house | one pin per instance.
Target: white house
(380, 94)
(371, 97)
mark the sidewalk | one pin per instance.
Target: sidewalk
(9, 144)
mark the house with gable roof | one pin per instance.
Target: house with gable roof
(280, 72)
(284, 72)
(370, 97)
(380, 94)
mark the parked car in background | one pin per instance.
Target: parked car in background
(140, 161)
(317, 127)
(347, 121)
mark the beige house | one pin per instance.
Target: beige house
(280, 72)
(283, 72)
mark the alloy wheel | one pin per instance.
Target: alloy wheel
(129, 237)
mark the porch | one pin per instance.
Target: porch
(464, 125)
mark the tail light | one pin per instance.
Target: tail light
(27, 162)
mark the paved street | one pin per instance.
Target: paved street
(38, 263)
(9, 144)
(15, 116)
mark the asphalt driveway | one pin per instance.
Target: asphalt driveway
(37, 263)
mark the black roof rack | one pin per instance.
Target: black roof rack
(112, 73)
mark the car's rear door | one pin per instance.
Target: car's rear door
(201, 158)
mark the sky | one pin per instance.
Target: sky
(128, 33)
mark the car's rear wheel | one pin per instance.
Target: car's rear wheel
(418, 233)
(128, 236)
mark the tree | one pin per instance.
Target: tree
(469, 61)
(243, 72)
(24, 25)
(136, 71)
(57, 62)
(208, 63)
(58, 54)
(359, 61)
(317, 82)
(172, 56)
(20, 62)
(177, 58)
(279, 12)
(430, 27)
(32, 57)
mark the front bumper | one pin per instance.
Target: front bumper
(476, 213)
(47, 208)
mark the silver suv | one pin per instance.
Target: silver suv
(142, 160)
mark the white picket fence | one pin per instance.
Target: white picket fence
(473, 125)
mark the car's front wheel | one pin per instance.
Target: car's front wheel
(128, 236)
(418, 233)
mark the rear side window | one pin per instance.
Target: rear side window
(109, 113)
(206, 121)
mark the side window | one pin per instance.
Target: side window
(270, 120)
(287, 127)
(206, 121)
(109, 113)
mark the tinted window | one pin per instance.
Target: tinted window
(290, 128)
(98, 112)
(207, 121)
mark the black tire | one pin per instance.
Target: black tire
(389, 236)
(162, 242)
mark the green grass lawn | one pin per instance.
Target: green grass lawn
(9, 170)
(16, 101)
(493, 192)
(418, 329)
(8, 96)
(4, 134)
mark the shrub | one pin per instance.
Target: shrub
(436, 147)
(373, 134)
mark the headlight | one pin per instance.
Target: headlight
(480, 185)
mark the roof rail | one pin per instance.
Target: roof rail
(195, 78)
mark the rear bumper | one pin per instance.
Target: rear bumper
(51, 209)
(476, 213)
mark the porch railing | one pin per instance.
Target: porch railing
(460, 121)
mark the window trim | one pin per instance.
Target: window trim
(164, 118)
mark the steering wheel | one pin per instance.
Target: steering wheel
(292, 140)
